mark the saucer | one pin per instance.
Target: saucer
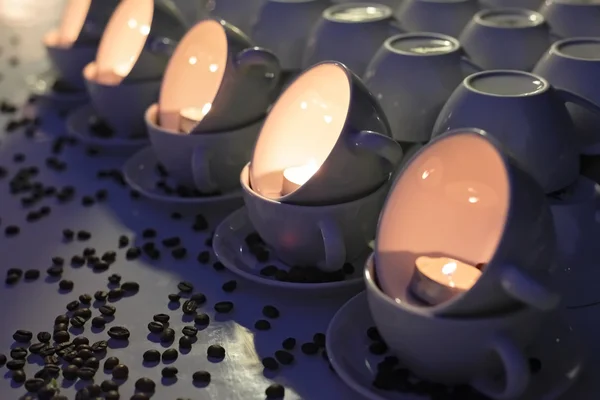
(229, 244)
(43, 86)
(143, 174)
(348, 350)
(78, 125)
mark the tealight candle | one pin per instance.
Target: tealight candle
(191, 116)
(294, 177)
(438, 279)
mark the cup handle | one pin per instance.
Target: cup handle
(395, 28)
(333, 243)
(201, 170)
(161, 46)
(516, 370)
(525, 289)
(384, 146)
(258, 57)
(570, 97)
(470, 65)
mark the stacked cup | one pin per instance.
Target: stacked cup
(204, 126)
(320, 172)
(461, 268)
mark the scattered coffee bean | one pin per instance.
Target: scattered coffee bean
(185, 342)
(100, 295)
(2, 360)
(119, 333)
(167, 336)
(189, 330)
(270, 312)
(189, 307)
(108, 310)
(115, 294)
(32, 274)
(229, 286)
(171, 242)
(289, 343)
(199, 298)
(98, 322)
(201, 377)
(110, 363)
(84, 313)
(85, 299)
(284, 357)
(152, 355)
(309, 348)
(73, 305)
(130, 287)
(149, 233)
(18, 376)
(66, 285)
(22, 336)
(18, 353)
(373, 334)
(36, 348)
(92, 362)
(262, 325)
(34, 385)
(185, 287)
(275, 391)
(218, 266)
(123, 241)
(202, 319)
(224, 307)
(109, 385)
(86, 374)
(162, 318)
(115, 279)
(169, 372)
(120, 372)
(319, 339)
(44, 337)
(83, 235)
(174, 297)
(156, 327)
(146, 385)
(70, 372)
(179, 253)
(270, 363)
(133, 253)
(170, 355)
(215, 351)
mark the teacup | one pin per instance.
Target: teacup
(122, 107)
(282, 26)
(319, 143)
(365, 25)
(216, 80)
(315, 236)
(412, 75)
(241, 14)
(529, 4)
(210, 161)
(440, 16)
(527, 115)
(463, 200)
(572, 18)
(69, 62)
(138, 41)
(390, 3)
(83, 22)
(457, 350)
(508, 38)
(194, 11)
(574, 64)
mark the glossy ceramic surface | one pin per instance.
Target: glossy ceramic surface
(317, 236)
(365, 25)
(412, 75)
(283, 27)
(461, 197)
(242, 14)
(69, 62)
(526, 114)
(574, 64)
(508, 38)
(328, 118)
(215, 70)
(83, 21)
(210, 161)
(556, 347)
(572, 18)
(448, 17)
(123, 106)
(529, 4)
(229, 244)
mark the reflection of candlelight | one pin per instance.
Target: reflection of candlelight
(116, 75)
(438, 279)
(294, 177)
(190, 116)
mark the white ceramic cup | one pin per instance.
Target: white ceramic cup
(283, 27)
(210, 161)
(218, 73)
(83, 22)
(328, 124)
(574, 65)
(241, 14)
(457, 350)
(461, 197)
(572, 18)
(194, 11)
(527, 115)
(529, 4)
(441, 16)
(123, 106)
(393, 4)
(412, 75)
(69, 62)
(315, 236)
(507, 38)
(363, 25)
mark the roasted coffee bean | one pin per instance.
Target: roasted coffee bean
(174, 297)
(218, 266)
(185, 287)
(77, 261)
(18, 353)
(100, 266)
(185, 342)
(120, 372)
(373, 334)
(11, 279)
(179, 253)
(149, 233)
(18, 376)
(169, 372)
(70, 372)
(73, 305)
(114, 279)
(133, 253)
(109, 385)
(262, 325)
(270, 363)
(224, 307)
(275, 391)
(108, 310)
(123, 241)
(85, 353)
(86, 374)
(12, 230)
(100, 346)
(309, 348)
(189, 330)
(84, 313)
(77, 361)
(92, 362)
(62, 337)
(34, 385)
(167, 336)
(171, 242)
(110, 363)
(203, 257)
(68, 234)
(78, 322)
(229, 286)
(201, 377)
(32, 274)
(22, 336)
(83, 235)
(215, 351)
(61, 319)
(81, 340)
(155, 327)
(130, 287)
(146, 385)
(2, 360)
(199, 298)
(115, 294)
(189, 307)
(110, 257)
(162, 318)
(170, 355)
(61, 327)
(200, 222)
(52, 369)
(89, 251)
(202, 319)
(119, 333)
(319, 339)
(284, 357)
(94, 390)
(85, 299)
(44, 337)
(152, 355)
(270, 312)
(37, 347)
(100, 295)
(83, 394)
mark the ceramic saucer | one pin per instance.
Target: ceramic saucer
(43, 86)
(78, 125)
(229, 244)
(348, 350)
(141, 174)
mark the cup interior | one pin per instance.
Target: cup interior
(506, 83)
(357, 12)
(422, 44)
(194, 75)
(510, 18)
(580, 48)
(451, 200)
(72, 20)
(302, 128)
(123, 40)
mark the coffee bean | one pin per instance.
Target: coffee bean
(100, 295)
(309, 348)
(202, 319)
(203, 257)
(84, 352)
(85, 299)
(34, 385)
(130, 287)
(111, 363)
(2, 360)
(185, 342)
(61, 327)
(44, 337)
(32, 274)
(262, 325)
(114, 279)
(119, 333)
(52, 369)
(108, 310)
(270, 312)
(18, 353)
(373, 334)
(155, 327)
(170, 355)
(378, 348)
(83, 235)
(82, 394)
(123, 241)
(169, 372)
(162, 318)
(215, 351)
(152, 355)
(70, 372)
(174, 297)
(224, 307)
(109, 385)
(171, 242)
(229, 286)
(37, 347)
(133, 253)
(11, 279)
(284, 357)
(190, 331)
(319, 339)
(73, 305)
(12, 230)
(48, 354)
(86, 374)
(22, 336)
(189, 307)
(110, 257)
(78, 322)
(61, 319)
(77, 361)
(77, 261)
(146, 385)
(179, 253)
(92, 362)
(18, 376)
(68, 234)
(94, 390)
(201, 377)
(98, 322)
(81, 341)
(120, 372)
(167, 336)
(185, 287)
(115, 294)
(275, 391)
(200, 223)
(199, 298)
(149, 233)
(62, 337)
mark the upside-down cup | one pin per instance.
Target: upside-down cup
(123, 106)
(325, 141)
(210, 161)
(216, 80)
(70, 61)
(307, 236)
(138, 41)
(83, 22)
(464, 202)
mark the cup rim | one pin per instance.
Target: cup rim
(556, 47)
(124, 83)
(468, 79)
(570, 3)
(479, 18)
(456, 46)
(580, 190)
(328, 14)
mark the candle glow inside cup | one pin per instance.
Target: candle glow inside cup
(191, 116)
(72, 21)
(294, 177)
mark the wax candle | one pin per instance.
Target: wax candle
(294, 177)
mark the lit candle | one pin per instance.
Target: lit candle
(438, 279)
(294, 177)
(191, 116)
